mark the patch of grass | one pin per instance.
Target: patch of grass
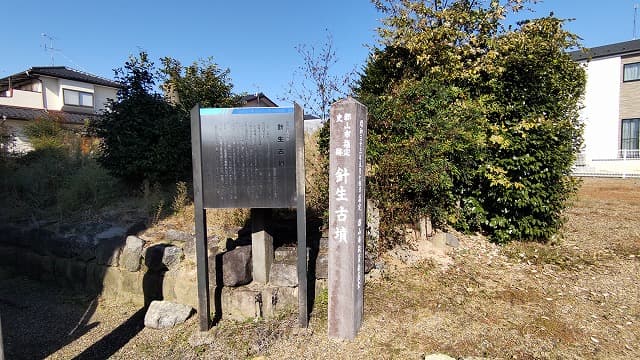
(251, 338)
(556, 329)
(200, 350)
(542, 254)
(630, 248)
(517, 296)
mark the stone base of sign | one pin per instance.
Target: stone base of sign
(261, 245)
(163, 272)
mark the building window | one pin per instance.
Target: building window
(631, 72)
(629, 146)
(77, 98)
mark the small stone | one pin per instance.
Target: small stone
(369, 262)
(165, 314)
(438, 357)
(452, 240)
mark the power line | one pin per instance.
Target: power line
(52, 50)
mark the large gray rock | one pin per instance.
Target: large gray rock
(236, 266)
(283, 275)
(131, 253)
(177, 235)
(165, 314)
(189, 247)
(108, 245)
(161, 257)
(171, 257)
(444, 239)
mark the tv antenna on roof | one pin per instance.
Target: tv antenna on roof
(49, 48)
(635, 17)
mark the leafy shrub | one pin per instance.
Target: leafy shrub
(49, 181)
(423, 143)
(46, 132)
(6, 139)
(143, 137)
(317, 176)
(471, 123)
(89, 186)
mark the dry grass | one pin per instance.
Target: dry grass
(576, 299)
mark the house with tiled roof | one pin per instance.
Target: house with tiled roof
(611, 110)
(70, 95)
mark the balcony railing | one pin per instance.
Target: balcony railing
(629, 154)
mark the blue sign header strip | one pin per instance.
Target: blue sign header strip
(213, 111)
(258, 110)
(246, 111)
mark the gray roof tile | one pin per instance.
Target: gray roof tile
(606, 50)
(62, 72)
(20, 113)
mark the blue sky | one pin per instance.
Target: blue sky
(255, 39)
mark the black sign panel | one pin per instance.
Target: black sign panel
(248, 157)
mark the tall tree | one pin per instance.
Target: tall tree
(202, 82)
(143, 136)
(315, 82)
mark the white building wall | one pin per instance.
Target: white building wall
(101, 95)
(602, 108)
(21, 98)
(52, 90)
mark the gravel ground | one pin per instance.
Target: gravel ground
(577, 298)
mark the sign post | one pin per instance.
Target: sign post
(248, 158)
(347, 217)
(202, 263)
(1, 343)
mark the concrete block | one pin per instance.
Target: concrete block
(276, 300)
(283, 275)
(241, 304)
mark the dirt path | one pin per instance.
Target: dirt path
(576, 299)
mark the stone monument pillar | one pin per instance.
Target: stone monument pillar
(347, 217)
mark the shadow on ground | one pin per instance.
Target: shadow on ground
(39, 318)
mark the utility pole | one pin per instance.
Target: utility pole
(50, 47)
(635, 17)
(1, 342)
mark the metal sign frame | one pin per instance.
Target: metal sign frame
(207, 196)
